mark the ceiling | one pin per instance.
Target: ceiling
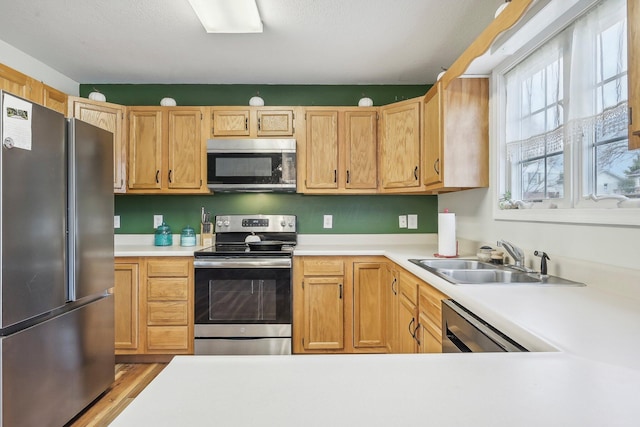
(304, 41)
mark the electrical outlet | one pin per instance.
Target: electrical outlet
(157, 221)
(328, 221)
(402, 221)
(413, 221)
(116, 221)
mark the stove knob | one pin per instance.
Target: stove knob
(291, 224)
(283, 223)
(226, 222)
(219, 223)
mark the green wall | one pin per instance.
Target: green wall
(374, 214)
(195, 94)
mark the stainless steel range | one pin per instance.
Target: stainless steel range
(243, 286)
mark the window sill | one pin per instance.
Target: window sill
(613, 216)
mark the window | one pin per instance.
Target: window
(565, 143)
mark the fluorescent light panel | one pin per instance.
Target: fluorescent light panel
(228, 16)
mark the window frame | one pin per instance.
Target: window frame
(576, 208)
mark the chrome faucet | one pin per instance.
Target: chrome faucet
(515, 252)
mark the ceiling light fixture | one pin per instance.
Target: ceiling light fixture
(228, 16)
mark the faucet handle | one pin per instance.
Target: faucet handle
(543, 261)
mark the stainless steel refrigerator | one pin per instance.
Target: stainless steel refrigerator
(56, 253)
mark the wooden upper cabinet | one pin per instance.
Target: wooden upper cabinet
(20, 84)
(432, 140)
(456, 135)
(238, 122)
(29, 88)
(321, 149)
(230, 123)
(633, 52)
(400, 146)
(145, 149)
(166, 150)
(360, 148)
(275, 122)
(54, 99)
(185, 149)
(340, 152)
(108, 117)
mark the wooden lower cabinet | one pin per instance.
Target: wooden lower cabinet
(126, 297)
(338, 305)
(430, 319)
(407, 313)
(154, 305)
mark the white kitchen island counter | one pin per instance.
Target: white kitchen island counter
(516, 389)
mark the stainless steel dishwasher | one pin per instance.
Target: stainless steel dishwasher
(465, 332)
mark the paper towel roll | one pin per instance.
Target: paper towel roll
(447, 234)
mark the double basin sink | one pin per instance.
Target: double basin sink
(470, 272)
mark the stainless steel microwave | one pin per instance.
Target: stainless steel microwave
(251, 165)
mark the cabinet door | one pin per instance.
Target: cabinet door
(322, 150)
(275, 123)
(428, 336)
(361, 150)
(20, 84)
(633, 52)
(400, 168)
(230, 123)
(368, 305)
(323, 313)
(108, 117)
(432, 137)
(391, 308)
(54, 99)
(407, 325)
(126, 305)
(185, 149)
(145, 149)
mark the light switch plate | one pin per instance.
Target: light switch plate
(157, 221)
(116, 221)
(328, 221)
(413, 221)
(402, 221)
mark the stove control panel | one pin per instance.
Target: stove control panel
(255, 223)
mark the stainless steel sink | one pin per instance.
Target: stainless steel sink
(470, 272)
(488, 276)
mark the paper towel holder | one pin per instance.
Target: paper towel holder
(449, 256)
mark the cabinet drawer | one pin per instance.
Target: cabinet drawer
(430, 303)
(167, 267)
(167, 313)
(409, 287)
(173, 338)
(167, 289)
(323, 267)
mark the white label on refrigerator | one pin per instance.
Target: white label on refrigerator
(16, 123)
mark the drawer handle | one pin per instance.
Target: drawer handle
(436, 166)
(415, 172)
(157, 176)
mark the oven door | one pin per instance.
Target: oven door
(243, 291)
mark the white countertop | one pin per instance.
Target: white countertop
(588, 373)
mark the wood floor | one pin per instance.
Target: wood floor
(130, 380)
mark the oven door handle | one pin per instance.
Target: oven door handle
(262, 262)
